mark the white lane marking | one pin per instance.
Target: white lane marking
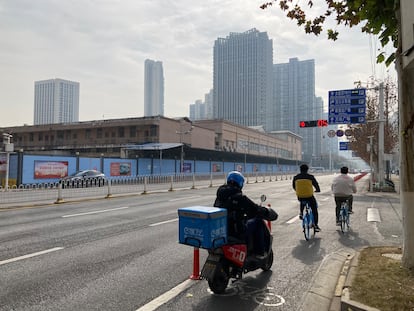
(3, 262)
(164, 298)
(185, 198)
(95, 212)
(324, 199)
(163, 222)
(291, 221)
(373, 214)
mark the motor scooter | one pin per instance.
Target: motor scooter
(232, 260)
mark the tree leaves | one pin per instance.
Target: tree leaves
(378, 15)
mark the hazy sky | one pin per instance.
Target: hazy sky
(102, 44)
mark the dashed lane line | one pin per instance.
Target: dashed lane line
(95, 212)
(167, 296)
(3, 262)
(163, 222)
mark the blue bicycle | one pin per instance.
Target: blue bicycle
(308, 222)
(344, 216)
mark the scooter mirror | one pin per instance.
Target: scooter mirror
(263, 198)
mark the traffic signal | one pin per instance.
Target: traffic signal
(314, 123)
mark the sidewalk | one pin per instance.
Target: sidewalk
(333, 281)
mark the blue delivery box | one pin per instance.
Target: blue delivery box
(202, 226)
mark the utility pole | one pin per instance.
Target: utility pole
(381, 121)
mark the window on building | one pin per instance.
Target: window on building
(40, 137)
(132, 131)
(31, 137)
(99, 133)
(121, 132)
(88, 133)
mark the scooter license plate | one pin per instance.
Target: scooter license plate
(210, 266)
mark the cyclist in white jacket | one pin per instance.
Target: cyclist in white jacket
(343, 186)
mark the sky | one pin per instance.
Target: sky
(103, 44)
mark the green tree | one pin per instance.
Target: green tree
(386, 19)
(362, 132)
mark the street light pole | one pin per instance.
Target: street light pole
(370, 164)
(181, 133)
(8, 147)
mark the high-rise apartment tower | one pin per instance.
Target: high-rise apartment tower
(154, 89)
(295, 101)
(56, 101)
(242, 77)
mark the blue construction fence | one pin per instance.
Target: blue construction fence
(33, 169)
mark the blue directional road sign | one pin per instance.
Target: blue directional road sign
(347, 106)
(343, 145)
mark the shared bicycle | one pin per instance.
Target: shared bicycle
(344, 216)
(308, 222)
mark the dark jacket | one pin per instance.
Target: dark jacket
(239, 209)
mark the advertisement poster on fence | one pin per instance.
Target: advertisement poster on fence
(216, 167)
(120, 169)
(186, 167)
(50, 169)
(3, 163)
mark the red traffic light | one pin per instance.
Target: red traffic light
(314, 123)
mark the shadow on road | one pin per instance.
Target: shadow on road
(247, 294)
(309, 251)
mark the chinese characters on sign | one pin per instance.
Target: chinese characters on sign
(347, 106)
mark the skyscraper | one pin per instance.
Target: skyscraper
(154, 89)
(242, 77)
(295, 101)
(56, 101)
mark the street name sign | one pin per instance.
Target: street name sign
(347, 106)
(343, 145)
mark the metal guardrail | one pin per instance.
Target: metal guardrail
(48, 193)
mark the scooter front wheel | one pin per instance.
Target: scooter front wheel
(218, 283)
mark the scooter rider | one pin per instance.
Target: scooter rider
(244, 217)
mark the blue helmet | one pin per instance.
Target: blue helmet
(236, 178)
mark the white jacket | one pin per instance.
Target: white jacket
(343, 185)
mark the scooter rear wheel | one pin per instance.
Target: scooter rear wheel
(269, 262)
(220, 280)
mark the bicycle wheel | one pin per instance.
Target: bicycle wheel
(347, 221)
(306, 227)
(343, 221)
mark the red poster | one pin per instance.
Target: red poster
(120, 169)
(50, 169)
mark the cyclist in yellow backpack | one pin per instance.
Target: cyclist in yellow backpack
(303, 183)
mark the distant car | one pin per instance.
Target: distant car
(85, 178)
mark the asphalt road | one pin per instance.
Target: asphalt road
(123, 253)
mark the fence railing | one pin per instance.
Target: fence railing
(48, 193)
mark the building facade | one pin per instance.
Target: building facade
(295, 101)
(153, 88)
(110, 137)
(242, 78)
(56, 101)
